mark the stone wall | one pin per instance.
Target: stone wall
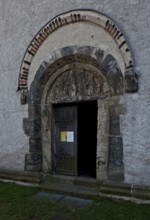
(20, 21)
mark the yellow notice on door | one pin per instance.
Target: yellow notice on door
(63, 136)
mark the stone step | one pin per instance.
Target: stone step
(95, 192)
(31, 177)
(69, 189)
(81, 181)
(80, 186)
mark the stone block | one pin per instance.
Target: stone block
(34, 110)
(141, 192)
(114, 125)
(35, 145)
(32, 126)
(116, 176)
(23, 97)
(33, 162)
(68, 51)
(99, 54)
(40, 71)
(109, 63)
(34, 158)
(33, 168)
(35, 92)
(116, 188)
(131, 79)
(117, 109)
(116, 167)
(116, 151)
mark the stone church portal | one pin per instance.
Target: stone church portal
(60, 61)
(88, 76)
(81, 78)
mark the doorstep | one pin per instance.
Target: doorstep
(80, 186)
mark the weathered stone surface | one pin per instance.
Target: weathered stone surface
(135, 128)
(33, 168)
(83, 82)
(17, 30)
(68, 51)
(102, 140)
(35, 92)
(33, 162)
(78, 84)
(32, 126)
(117, 109)
(33, 159)
(114, 75)
(23, 97)
(109, 63)
(30, 177)
(62, 21)
(114, 125)
(35, 145)
(99, 36)
(115, 151)
(116, 167)
(116, 176)
(131, 81)
(34, 110)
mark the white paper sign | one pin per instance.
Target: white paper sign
(70, 136)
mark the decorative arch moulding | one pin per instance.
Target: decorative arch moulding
(72, 17)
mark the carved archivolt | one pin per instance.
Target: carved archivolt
(72, 17)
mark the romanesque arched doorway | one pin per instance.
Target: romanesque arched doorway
(76, 82)
(77, 78)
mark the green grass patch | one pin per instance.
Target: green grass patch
(20, 203)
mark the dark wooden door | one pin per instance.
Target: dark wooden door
(65, 139)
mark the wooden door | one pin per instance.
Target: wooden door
(65, 139)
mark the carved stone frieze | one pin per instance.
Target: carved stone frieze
(78, 84)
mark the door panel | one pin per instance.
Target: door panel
(65, 139)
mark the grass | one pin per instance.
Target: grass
(20, 203)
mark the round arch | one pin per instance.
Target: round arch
(94, 18)
(109, 83)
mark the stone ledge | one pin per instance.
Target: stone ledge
(107, 188)
(141, 192)
(28, 177)
(79, 186)
(70, 180)
(125, 190)
(91, 192)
